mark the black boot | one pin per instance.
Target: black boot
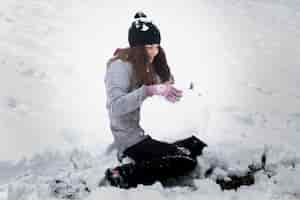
(236, 181)
(121, 176)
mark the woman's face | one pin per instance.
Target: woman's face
(152, 50)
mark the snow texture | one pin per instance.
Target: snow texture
(245, 98)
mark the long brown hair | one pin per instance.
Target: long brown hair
(144, 70)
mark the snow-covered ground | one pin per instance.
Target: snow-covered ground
(242, 56)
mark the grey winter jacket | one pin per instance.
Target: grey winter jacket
(124, 99)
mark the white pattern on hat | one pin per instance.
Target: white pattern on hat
(141, 22)
(143, 19)
(145, 27)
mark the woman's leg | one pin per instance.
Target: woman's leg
(149, 149)
(193, 144)
(154, 161)
(148, 172)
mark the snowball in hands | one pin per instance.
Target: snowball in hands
(167, 90)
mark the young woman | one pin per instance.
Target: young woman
(132, 75)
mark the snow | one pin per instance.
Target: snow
(245, 101)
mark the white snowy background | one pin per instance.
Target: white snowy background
(242, 56)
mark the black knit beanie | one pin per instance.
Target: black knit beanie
(142, 31)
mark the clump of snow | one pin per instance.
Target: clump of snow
(176, 120)
(76, 174)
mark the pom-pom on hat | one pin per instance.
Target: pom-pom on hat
(142, 31)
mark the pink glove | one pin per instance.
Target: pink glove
(167, 90)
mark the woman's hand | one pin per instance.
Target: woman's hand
(167, 90)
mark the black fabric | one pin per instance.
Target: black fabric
(193, 144)
(156, 161)
(142, 31)
(149, 149)
(148, 172)
(161, 161)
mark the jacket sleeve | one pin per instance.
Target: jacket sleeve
(120, 100)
